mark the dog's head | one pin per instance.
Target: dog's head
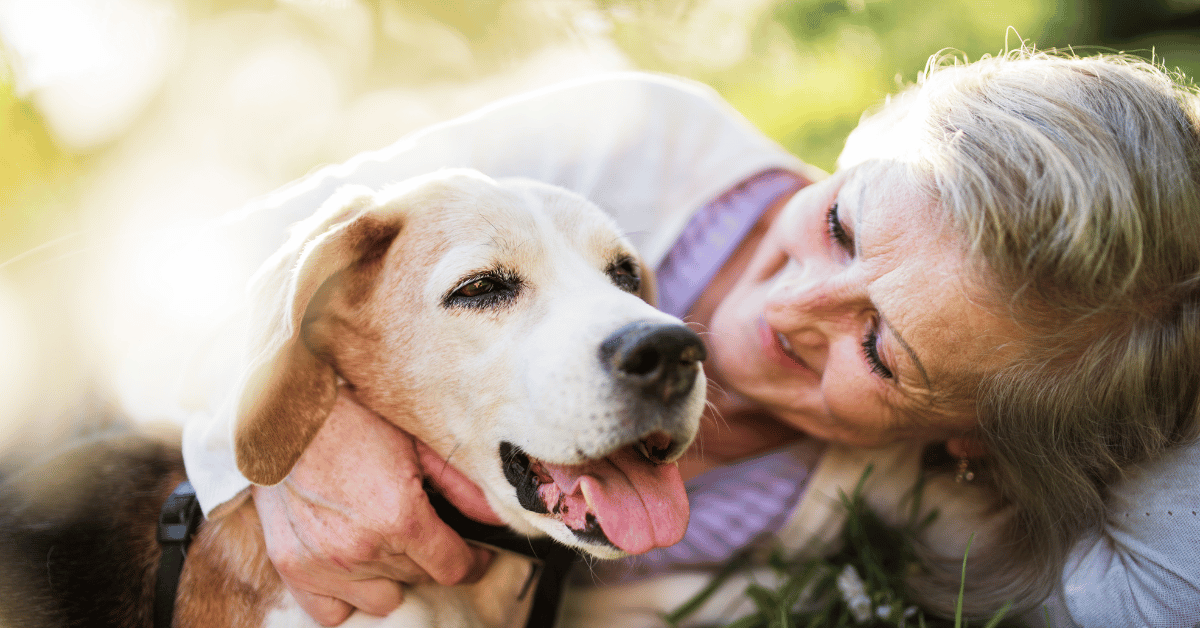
(507, 325)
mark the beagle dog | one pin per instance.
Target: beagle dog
(505, 323)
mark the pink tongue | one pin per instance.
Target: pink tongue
(639, 505)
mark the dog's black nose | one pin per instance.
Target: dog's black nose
(660, 360)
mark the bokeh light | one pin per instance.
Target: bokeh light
(126, 123)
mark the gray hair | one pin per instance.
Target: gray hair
(1075, 183)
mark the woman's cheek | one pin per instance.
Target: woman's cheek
(854, 407)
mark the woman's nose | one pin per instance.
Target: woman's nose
(811, 300)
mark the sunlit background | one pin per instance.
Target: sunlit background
(122, 120)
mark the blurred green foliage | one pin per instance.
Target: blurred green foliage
(802, 70)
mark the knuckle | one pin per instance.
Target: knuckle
(360, 550)
(354, 546)
(412, 482)
(289, 564)
(403, 526)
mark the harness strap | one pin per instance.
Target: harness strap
(177, 523)
(554, 558)
(181, 516)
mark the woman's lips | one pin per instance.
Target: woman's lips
(778, 346)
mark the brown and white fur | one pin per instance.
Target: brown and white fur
(505, 323)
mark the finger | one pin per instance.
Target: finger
(483, 560)
(377, 596)
(464, 494)
(401, 568)
(439, 550)
(325, 610)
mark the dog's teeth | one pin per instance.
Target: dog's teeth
(587, 499)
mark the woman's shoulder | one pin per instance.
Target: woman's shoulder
(1143, 566)
(1167, 484)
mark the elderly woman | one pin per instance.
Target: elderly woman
(1005, 271)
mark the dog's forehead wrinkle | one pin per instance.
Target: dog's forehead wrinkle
(472, 242)
(594, 233)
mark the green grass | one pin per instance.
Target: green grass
(861, 585)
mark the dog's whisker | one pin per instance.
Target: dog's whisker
(446, 462)
(718, 418)
(454, 450)
(591, 562)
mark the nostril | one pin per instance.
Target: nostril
(643, 362)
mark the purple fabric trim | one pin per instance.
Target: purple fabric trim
(711, 236)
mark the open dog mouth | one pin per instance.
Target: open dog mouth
(629, 499)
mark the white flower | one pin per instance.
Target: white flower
(883, 611)
(854, 594)
(849, 583)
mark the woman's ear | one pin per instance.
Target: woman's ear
(288, 391)
(965, 447)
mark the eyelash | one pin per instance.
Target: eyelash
(870, 343)
(870, 346)
(836, 231)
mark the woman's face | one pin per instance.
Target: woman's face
(854, 307)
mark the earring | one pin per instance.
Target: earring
(964, 474)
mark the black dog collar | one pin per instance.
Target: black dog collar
(177, 523)
(555, 558)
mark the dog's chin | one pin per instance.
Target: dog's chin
(627, 502)
(605, 551)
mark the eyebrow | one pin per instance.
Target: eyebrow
(907, 349)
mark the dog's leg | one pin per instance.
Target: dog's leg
(227, 579)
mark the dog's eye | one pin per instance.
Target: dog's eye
(626, 275)
(484, 291)
(480, 286)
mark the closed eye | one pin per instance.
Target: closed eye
(837, 232)
(870, 347)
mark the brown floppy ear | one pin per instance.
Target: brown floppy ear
(287, 391)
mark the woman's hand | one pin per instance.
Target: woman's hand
(351, 525)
